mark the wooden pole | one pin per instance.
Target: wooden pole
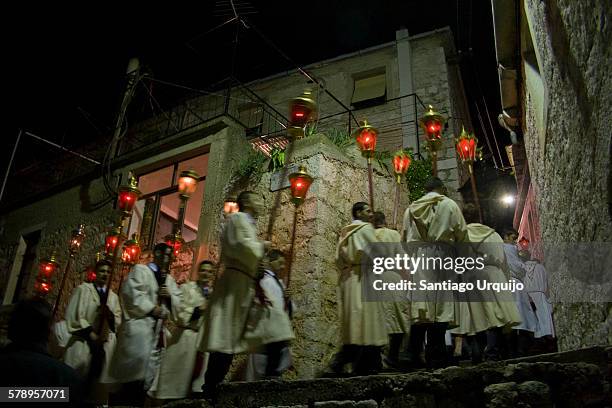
(62, 284)
(434, 163)
(292, 246)
(475, 191)
(396, 202)
(370, 184)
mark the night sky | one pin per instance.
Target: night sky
(66, 63)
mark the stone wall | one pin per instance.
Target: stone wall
(569, 153)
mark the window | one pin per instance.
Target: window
(157, 209)
(251, 116)
(370, 89)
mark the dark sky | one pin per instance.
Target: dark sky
(66, 62)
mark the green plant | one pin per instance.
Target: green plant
(251, 165)
(277, 159)
(310, 129)
(340, 137)
(417, 175)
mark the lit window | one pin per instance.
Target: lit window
(370, 89)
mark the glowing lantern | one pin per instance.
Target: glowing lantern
(467, 147)
(230, 206)
(176, 242)
(523, 243)
(401, 162)
(366, 136)
(131, 251)
(77, 239)
(302, 110)
(187, 183)
(90, 274)
(112, 239)
(48, 266)
(300, 183)
(432, 123)
(128, 195)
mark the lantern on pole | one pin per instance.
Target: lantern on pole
(175, 241)
(302, 110)
(111, 241)
(366, 136)
(46, 269)
(401, 162)
(76, 240)
(432, 123)
(131, 251)
(300, 182)
(187, 185)
(230, 206)
(468, 152)
(128, 195)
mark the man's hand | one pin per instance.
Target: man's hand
(288, 293)
(157, 312)
(163, 292)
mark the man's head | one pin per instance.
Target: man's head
(30, 322)
(206, 270)
(510, 236)
(162, 254)
(361, 211)
(275, 260)
(250, 202)
(378, 219)
(103, 269)
(436, 185)
(470, 213)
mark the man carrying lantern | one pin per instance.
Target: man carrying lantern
(146, 302)
(233, 299)
(91, 347)
(362, 324)
(435, 221)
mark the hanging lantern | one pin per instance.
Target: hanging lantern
(48, 266)
(302, 110)
(366, 136)
(128, 195)
(432, 123)
(76, 239)
(467, 147)
(112, 239)
(175, 241)
(131, 251)
(300, 183)
(230, 206)
(187, 183)
(401, 162)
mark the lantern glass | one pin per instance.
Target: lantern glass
(299, 184)
(176, 242)
(77, 238)
(302, 110)
(188, 182)
(48, 268)
(401, 163)
(131, 252)
(127, 200)
(90, 274)
(111, 243)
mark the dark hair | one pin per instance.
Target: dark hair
(274, 254)
(103, 262)
(358, 207)
(243, 197)
(379, 219)
(508, 231)
(162, 246)
(434, 183)
(30, 321)
(470, 213)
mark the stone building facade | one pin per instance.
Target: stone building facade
(215, 132)
(558, 97)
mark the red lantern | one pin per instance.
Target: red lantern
(401, 162)
(302, 110)
(77, 239)
(523, 243)
(467, 147)
(128, 195)
(432, 123)
(366, 136)
(111, 240)
(300, 183)
(90, 274)
(176, 242)
(187, 183)
(131, 251)
(230, 206)
(48, 266)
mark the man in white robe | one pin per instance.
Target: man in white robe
(437, 222)
(82, 317)
(275, 327)
(232, 300)
(485, 313)
(178, 362)
(143, 315)
(362, 324)
(536, 284)
(206, 276)
(396, 311)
